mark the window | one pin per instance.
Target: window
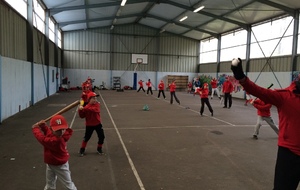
(233, 44)
(273, 38)
(38, 16)
(58, 38)
(51, 30)
(208, 51)
(20, 6)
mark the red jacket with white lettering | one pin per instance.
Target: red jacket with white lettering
(55, 148)
(288, 107)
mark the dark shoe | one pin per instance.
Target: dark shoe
(212, 113)
(201, 114)
(225, 107)
(255, 137)
(81, 151)
(211, 98)
(99, 150)
(220, 98)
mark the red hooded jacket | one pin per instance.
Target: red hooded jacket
(263, 109)
(288, 107)
(213, 83)
(161, 86)
(203, 92)
(172, 87)
(55, 148)
(91, 113)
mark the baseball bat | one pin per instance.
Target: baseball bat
(65, 109)
(267, 88)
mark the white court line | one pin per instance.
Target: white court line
(203, 114)
(124, 147)
(73, 118)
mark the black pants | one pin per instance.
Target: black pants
(149, 89)
(172, 94)
(287, 170)
(205, 101)
(141, 88)
(163, 93)
(89, 131)
(228, 97)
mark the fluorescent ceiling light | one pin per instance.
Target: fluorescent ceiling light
(198, 9)
(183, 18)
(123, 2)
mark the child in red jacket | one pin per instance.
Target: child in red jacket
(149, 87)
(172, 87)
(203, 92)
(161, 89)
(141, 86)
(91, 113)
(56, 156)
(264, 114)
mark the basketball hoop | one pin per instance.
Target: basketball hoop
(138, 62)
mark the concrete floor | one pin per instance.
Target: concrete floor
(169, 147)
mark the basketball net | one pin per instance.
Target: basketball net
(138, 62)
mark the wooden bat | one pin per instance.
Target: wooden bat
(65, 109)
(267, 88)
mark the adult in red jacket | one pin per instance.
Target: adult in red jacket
(161, 89)
(203, 92)
(54, 140)
(287, 101)
(172, 87)
(227, 91)
(263, 114)
(91, 113)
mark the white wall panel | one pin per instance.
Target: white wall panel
(16, 86)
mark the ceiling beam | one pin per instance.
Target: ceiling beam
(278, 6)
(54, 11)
(182, 25)
(62, 24)
(205, 13)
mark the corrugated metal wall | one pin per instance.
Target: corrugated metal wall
(51, 54)
(59, 57)
(275, 63)
(165, 52)
(87, 49)
(208, 68)
(38, 47)
(12, 34)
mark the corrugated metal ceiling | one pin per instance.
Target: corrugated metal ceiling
(218, 16)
